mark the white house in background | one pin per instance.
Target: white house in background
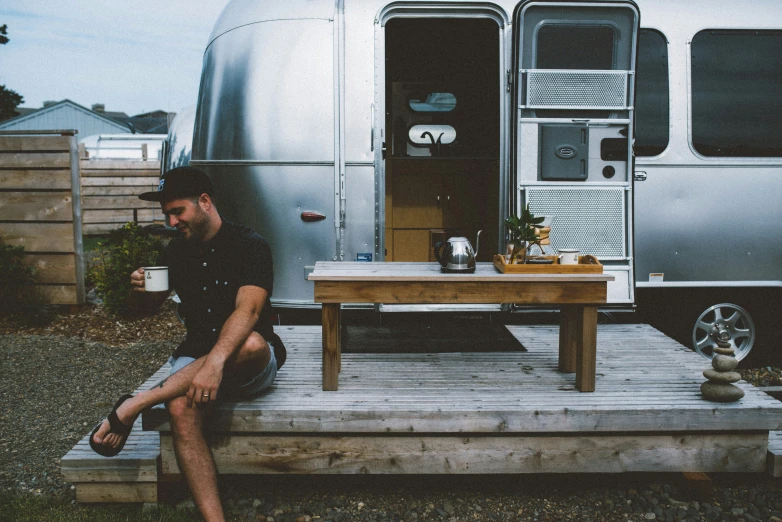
(66, 115)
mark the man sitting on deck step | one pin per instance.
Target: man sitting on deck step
(223, 275)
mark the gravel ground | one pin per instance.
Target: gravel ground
(55, 388)
(636, 497)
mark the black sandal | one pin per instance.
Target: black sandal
(117, 427)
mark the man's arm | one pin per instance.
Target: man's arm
(235, 331)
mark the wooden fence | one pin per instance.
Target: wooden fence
(40, 208)
(110, 190)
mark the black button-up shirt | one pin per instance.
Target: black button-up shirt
(207, 276)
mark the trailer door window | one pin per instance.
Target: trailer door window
(569, 46)
(651, 94)
(736, 86)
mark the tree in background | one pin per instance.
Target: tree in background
(9, 100)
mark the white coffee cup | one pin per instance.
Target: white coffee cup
(568, 256)
(156, 278)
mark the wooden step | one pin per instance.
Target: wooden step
(131, 476)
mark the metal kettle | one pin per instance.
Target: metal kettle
(457, 254)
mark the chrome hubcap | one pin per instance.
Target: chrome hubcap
(724, 322)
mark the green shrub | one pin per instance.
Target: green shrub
(20, 298)
(126, 249)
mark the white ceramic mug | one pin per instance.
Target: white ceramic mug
(156, 278)
(568, 256)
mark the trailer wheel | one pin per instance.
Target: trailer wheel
(726, 322)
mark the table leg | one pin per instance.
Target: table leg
(569, 331)
(342, 327)
(331, 348)
(586, 354)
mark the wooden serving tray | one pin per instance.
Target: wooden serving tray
(586, 265)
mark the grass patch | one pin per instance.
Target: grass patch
(28, 508)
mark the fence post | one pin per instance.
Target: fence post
(78, 240)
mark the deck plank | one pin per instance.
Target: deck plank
(259, 454)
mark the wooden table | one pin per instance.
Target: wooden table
(577, 295)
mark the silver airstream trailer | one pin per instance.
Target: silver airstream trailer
(369, 130)
(178, 145)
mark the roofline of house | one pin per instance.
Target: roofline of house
(21, 118)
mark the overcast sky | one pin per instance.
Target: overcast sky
(134, 57)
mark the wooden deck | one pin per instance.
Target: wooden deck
(491, 413)
(508, 412)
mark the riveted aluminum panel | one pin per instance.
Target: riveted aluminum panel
(270, 199)
(705, 221)
(239, 13)
(709, 224)
(267, 94)
(359, 211)
(360, 79)
(180, 140)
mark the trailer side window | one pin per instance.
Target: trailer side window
(736, 86)
(651, 94)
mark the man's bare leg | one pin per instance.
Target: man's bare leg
(190, 446)
(173, 386)
(195, 458)
(192, 451)
(253, 356)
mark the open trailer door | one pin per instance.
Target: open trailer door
(574, 72)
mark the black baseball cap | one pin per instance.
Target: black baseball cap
(181, 182)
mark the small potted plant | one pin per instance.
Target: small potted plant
(522, 234)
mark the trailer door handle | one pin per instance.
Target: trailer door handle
(372, 125)
(309, 216)
(639, 175)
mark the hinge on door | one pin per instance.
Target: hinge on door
(342, 214)
(510, 80)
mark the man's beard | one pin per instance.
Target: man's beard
(199, 226)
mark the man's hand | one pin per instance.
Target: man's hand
(137, 280)
(204, 386)
(144, 299)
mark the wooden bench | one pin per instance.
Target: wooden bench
(576, 295)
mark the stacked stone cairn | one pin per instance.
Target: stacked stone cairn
(721, 375)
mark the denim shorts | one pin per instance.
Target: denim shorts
(230, 389)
